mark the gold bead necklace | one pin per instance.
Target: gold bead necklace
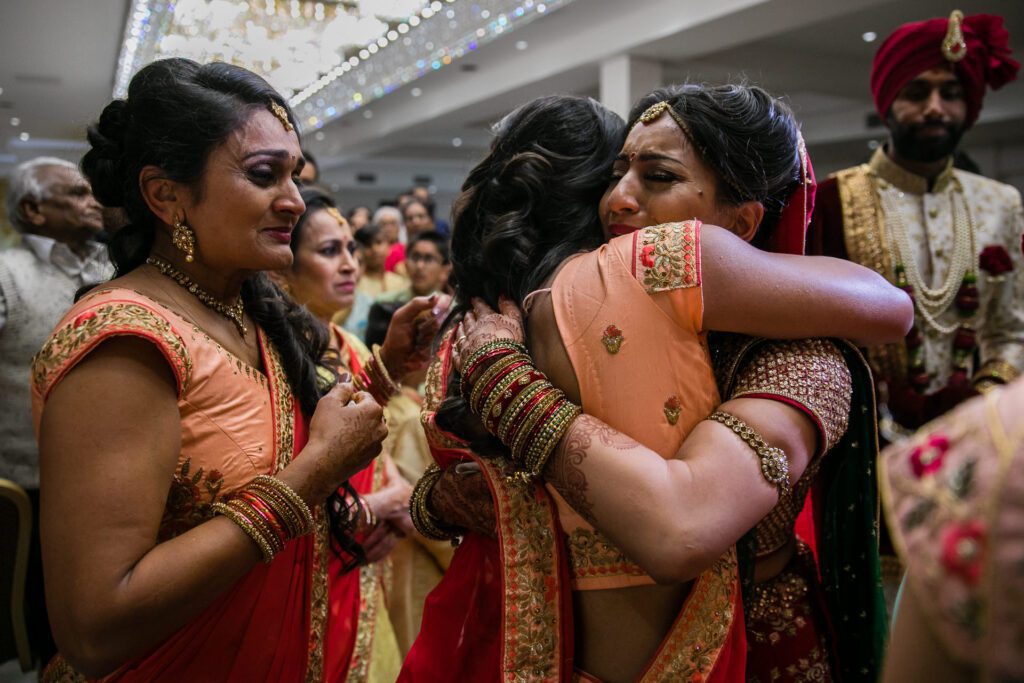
(234, 311)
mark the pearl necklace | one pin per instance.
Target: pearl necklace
(233, 311)
(932, 303)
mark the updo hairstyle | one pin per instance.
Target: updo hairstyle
(176, 113)
(533, 200)
(527, 207)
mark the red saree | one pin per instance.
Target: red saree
(237, 421)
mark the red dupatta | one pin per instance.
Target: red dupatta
(269, 625)
(503, 610)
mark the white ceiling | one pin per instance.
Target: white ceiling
(57, 62)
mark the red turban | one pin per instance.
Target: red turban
(917, 47)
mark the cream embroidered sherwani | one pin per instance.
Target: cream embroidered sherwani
(867, 194)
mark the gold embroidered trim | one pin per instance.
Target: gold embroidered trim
(435, 386)
(866, 243)
(93, 325)
(998, 370)
(370, 582)
(691, 649)
(369, 585)
(283, 407)
(592, 556)
(809, 372)
(668, 256)
(531, 626)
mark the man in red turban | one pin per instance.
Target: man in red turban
(950, 239)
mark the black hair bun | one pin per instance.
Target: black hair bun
(104, 164)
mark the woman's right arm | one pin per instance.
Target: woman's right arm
(109, 445)
(782, 296)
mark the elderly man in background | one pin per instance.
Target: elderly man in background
(51, 204)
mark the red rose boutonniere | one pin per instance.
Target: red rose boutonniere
(995, 260)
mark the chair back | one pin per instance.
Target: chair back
(15, 528)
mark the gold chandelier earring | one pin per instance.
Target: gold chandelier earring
(184, 239)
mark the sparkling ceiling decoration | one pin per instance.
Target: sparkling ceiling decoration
(328, 58)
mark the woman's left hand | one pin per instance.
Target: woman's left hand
(483, 325)
(406, 348)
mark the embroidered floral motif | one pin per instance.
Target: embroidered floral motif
(612, 339)
(963, 548)
(672, 409)
(928, 457)
(189, 500)
(531, 614)
(995, 260)
(591, 555)
(668, 256)
(647, 256)
(73, 340)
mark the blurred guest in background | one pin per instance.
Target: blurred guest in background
(418, 216)
(323, 278)
(358, 217)
(389, 220)
(51, 204)
(373, 252)
(311, 171)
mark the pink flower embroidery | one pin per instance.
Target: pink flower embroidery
(84, 318)
(963, 548)
(647, 256)
(928, 457)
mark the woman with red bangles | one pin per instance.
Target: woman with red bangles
(323, 278)
(623, 333)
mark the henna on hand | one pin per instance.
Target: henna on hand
(483, 325)
(564, 470)
(464, 501)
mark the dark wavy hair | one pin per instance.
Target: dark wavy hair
(527, 207)
(176, 113)
(748, 138)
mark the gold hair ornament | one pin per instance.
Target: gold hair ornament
(282, 115)
(654, 112)
(336, 215)
(954, 48)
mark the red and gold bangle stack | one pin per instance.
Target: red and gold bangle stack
(375, 379)
(269, 512)
(518, 404)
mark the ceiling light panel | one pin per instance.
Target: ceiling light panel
(346, 53)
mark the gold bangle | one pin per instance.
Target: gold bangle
(294, 501)
(507, 344)
(476, 399)
(515, 409)
(423, 519)
(547, 441)
(246, 526)
(774, 465)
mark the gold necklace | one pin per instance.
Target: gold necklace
(233, 311)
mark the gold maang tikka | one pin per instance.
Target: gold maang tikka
(282, 115)
(654, 112)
